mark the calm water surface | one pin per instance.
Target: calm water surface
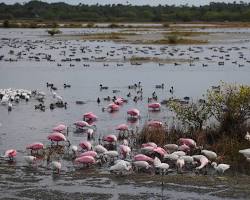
(25, 125)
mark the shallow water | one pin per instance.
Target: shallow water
(25, 125)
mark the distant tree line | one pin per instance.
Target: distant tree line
(38, 10)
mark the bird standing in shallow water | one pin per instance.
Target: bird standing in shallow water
(98, 100)
(30, 159)
(56, 166)
(221, 168)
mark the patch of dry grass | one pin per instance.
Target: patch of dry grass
(108, 36)
(178, 41)
(150, 134)
(186, 33)
(155, 59)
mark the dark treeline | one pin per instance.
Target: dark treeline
(125, 13)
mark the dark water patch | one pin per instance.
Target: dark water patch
(57, 195)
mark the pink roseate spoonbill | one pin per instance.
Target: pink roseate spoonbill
(110, 138)
(142, 157)
(125, 151)
(11, 154)
(36, 146)
(154, 106)
(187, 141)
(112, 107)
(160, 151)
(122, 127)
(86, 160)
(56, 166)
(60, 128)
(88, 153)
(89, 116)
(203, 162)
(133, 114)
(154, 124)
(180, 164)
(85, 145)
(209, 154)
(171, 147)
(30, 159)
(81, 125)
(120, 167)
(149, 144)
(184, 148)
(123, 131)
(58, 137)
(148, 150)
(221, 168)
(119, 101)
(100, 149)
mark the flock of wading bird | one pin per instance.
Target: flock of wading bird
(73, 53)
(119, 154)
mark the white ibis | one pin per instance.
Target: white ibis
(56, 166)
(221, 168)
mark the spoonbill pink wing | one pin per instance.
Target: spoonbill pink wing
(122, 127)
(142, 157)
(154, 105)
(57, 137)
(85, 160)
(133, 112)
(81, 124)
(59, 128)
(35, 146)
(88, 153)
(86, 145)
(110, 138)
(90, 116)
(11, 153)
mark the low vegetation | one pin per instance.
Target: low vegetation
(175, 40)
(113, 25)
(156, 135)
(54, 31)
(186, 33)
